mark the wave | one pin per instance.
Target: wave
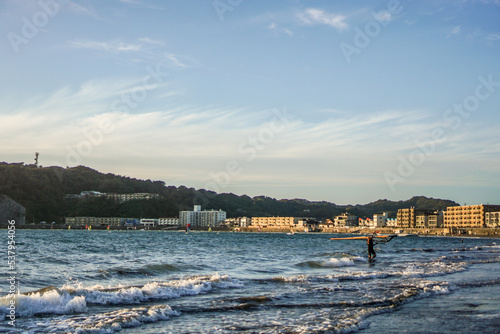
(438, 267)
(111, 322)
(333, 262)
(75, 299)
(147, 270)
(298, 315)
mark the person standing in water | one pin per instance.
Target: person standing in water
(369, 241)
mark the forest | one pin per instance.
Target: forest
(42, 191)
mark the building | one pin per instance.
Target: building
(468, 216)
(134, 196)
(435, 220)
(199, 218)
(492, 219)
(91, 193)
(120, 198)
(379, 220)
(168, 221)
(364, 222)
(131, 222)
(237, 222)
(149, 222)
(407, 218)
(346, 220)
(392, 222)
(11, 210)
(422, 221)
(326, 225)
(94, 221)
(279, 222)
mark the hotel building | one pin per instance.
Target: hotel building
(469, 215)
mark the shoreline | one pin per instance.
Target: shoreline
(408, 232)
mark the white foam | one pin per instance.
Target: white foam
(75, 299)
(53, 302)
(156, 290)
(342, 262)
(111, 322)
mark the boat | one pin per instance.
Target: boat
(400, 233)
(291, 232)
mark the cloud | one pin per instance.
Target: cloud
(113, 46)
(493, 37)
(279, 30)
(150, 41)
(454, 31)
(165, 141)
(175, 61)
(313, 16)
(82, 10)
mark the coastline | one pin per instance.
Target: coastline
(437, 232)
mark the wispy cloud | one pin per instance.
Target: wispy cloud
(313, 16)
(493, 37)
(83, 10)
(150, 41)
(279, 30)
(114, 46)
(454, 31)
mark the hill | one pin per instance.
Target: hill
(42, 191)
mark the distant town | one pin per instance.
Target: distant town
(454, 220)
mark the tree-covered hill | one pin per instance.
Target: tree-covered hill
(42, 191)
(418, 202)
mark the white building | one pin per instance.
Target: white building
(379, 220)
(239, 222)
(168, 221)
(149, 222)
(199, 218)
(346, 220)
(128, 197)
(392, 222)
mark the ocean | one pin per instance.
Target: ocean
(78, 281)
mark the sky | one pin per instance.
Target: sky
(340, 101)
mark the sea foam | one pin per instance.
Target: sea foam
(76, 299)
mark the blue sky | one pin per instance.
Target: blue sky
(343, 101)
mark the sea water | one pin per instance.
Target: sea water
(80, 281)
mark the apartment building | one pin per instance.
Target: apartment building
(435, 220)
(168, 221)
(345, 220)
(468, 216)
(237, 222)
(199, 218)
(95, 221)
(128, 197)
(407, 218)
(149, 222)
(379, 220)
(492, 219)
(278, 222)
